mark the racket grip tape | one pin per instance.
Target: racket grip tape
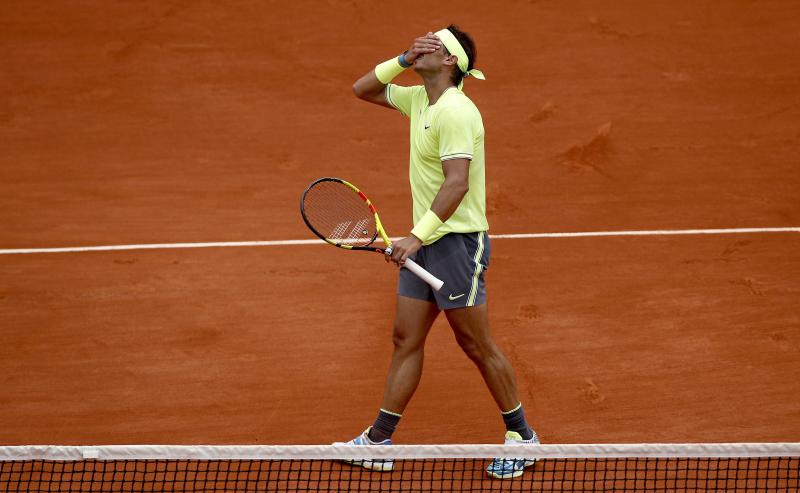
(426, 276)
(415, 268)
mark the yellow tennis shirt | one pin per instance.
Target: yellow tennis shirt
(450, 129)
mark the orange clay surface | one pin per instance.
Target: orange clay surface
(160, 122)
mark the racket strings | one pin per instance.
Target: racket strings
(339, 214)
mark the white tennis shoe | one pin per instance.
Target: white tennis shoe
(383, 465)
(513, 468)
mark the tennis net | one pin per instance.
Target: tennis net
(752, 467)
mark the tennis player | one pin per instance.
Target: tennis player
(449, 236)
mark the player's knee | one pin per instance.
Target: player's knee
(406, 340)
(477, 350)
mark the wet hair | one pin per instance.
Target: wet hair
(469, 47)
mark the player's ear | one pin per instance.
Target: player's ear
(450, 60)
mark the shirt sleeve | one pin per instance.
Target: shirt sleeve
(456, 134)
(400, 97)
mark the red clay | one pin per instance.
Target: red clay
(151, 123)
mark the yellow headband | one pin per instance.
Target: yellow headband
(454, 47)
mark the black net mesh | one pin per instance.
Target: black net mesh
(741, 474)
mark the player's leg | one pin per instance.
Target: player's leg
(412, 323)
(413, 320)
(471, 328)
(465, 257)
(416, 310)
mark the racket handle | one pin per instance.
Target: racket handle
(426, 276)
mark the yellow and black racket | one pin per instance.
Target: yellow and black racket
(340, 214)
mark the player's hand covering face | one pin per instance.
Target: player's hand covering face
(422, 46)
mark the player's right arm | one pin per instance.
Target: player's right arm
(372, 90)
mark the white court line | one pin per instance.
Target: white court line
(224, 244)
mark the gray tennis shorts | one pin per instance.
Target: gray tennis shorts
(458, 259)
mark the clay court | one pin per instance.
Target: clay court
(138, 123)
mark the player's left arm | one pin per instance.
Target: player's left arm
(454, 188)
(449, 196)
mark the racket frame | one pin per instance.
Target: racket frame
(426, 276)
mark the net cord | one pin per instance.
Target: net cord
(548, 451)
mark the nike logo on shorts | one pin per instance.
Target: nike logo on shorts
(451, 297)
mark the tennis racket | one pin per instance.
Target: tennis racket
(340, 214)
